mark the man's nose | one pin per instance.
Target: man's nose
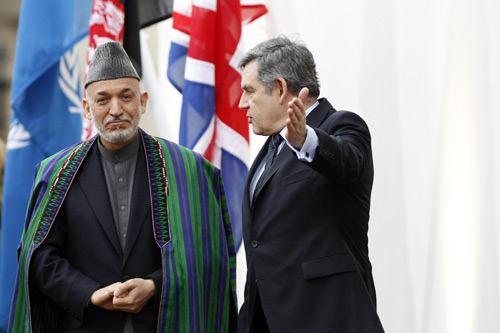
(243, 102)
(115, 108)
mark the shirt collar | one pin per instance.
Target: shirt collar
(121, 154)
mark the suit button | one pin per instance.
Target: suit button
(255, 243)
(126, 277)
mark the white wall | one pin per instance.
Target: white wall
(425, 76)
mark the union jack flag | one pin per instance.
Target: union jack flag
(205, 50)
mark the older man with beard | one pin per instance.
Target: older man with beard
(125, 232)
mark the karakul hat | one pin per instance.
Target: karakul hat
(110, 61)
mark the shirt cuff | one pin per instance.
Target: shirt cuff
(308, 150)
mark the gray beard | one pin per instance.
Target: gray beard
(118, 136)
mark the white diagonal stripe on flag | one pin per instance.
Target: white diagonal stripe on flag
(200, 71)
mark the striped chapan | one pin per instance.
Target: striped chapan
(192, 229)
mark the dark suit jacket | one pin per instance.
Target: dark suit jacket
(82, 252)
(305, 234)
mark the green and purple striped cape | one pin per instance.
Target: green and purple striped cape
(191, 225)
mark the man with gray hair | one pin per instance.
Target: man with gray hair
(306, 201)
(125, 232)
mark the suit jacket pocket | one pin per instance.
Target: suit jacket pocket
(330, 265)
(296, 177)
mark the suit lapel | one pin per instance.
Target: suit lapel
(320, 113)
(140, 202)
(251, 173)
(284, 154)
(92, 182)
(257, 161)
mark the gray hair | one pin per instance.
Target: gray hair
(280, 57)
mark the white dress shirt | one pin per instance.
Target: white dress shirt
(306, 153)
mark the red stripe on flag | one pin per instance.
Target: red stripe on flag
(251, 13)
(203, 35)
(227, 100)
(209, 153)
(228, 80)
(181, 22)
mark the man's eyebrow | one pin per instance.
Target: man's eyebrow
(105, 93)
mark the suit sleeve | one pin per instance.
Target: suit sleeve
(52, 274)
(344, 148)
(157, 277)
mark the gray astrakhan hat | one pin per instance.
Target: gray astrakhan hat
(110, 61)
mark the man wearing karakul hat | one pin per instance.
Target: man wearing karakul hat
(125, 232)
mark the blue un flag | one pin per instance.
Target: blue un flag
(46, 113)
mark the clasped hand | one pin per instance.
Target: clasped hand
(130, 296)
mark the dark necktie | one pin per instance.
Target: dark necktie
(269, 158)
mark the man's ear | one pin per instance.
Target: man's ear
(86, 109)
(282, 89)
(144, 101)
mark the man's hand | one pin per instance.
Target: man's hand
(104, 297)
(296, 122)
(132, 295)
